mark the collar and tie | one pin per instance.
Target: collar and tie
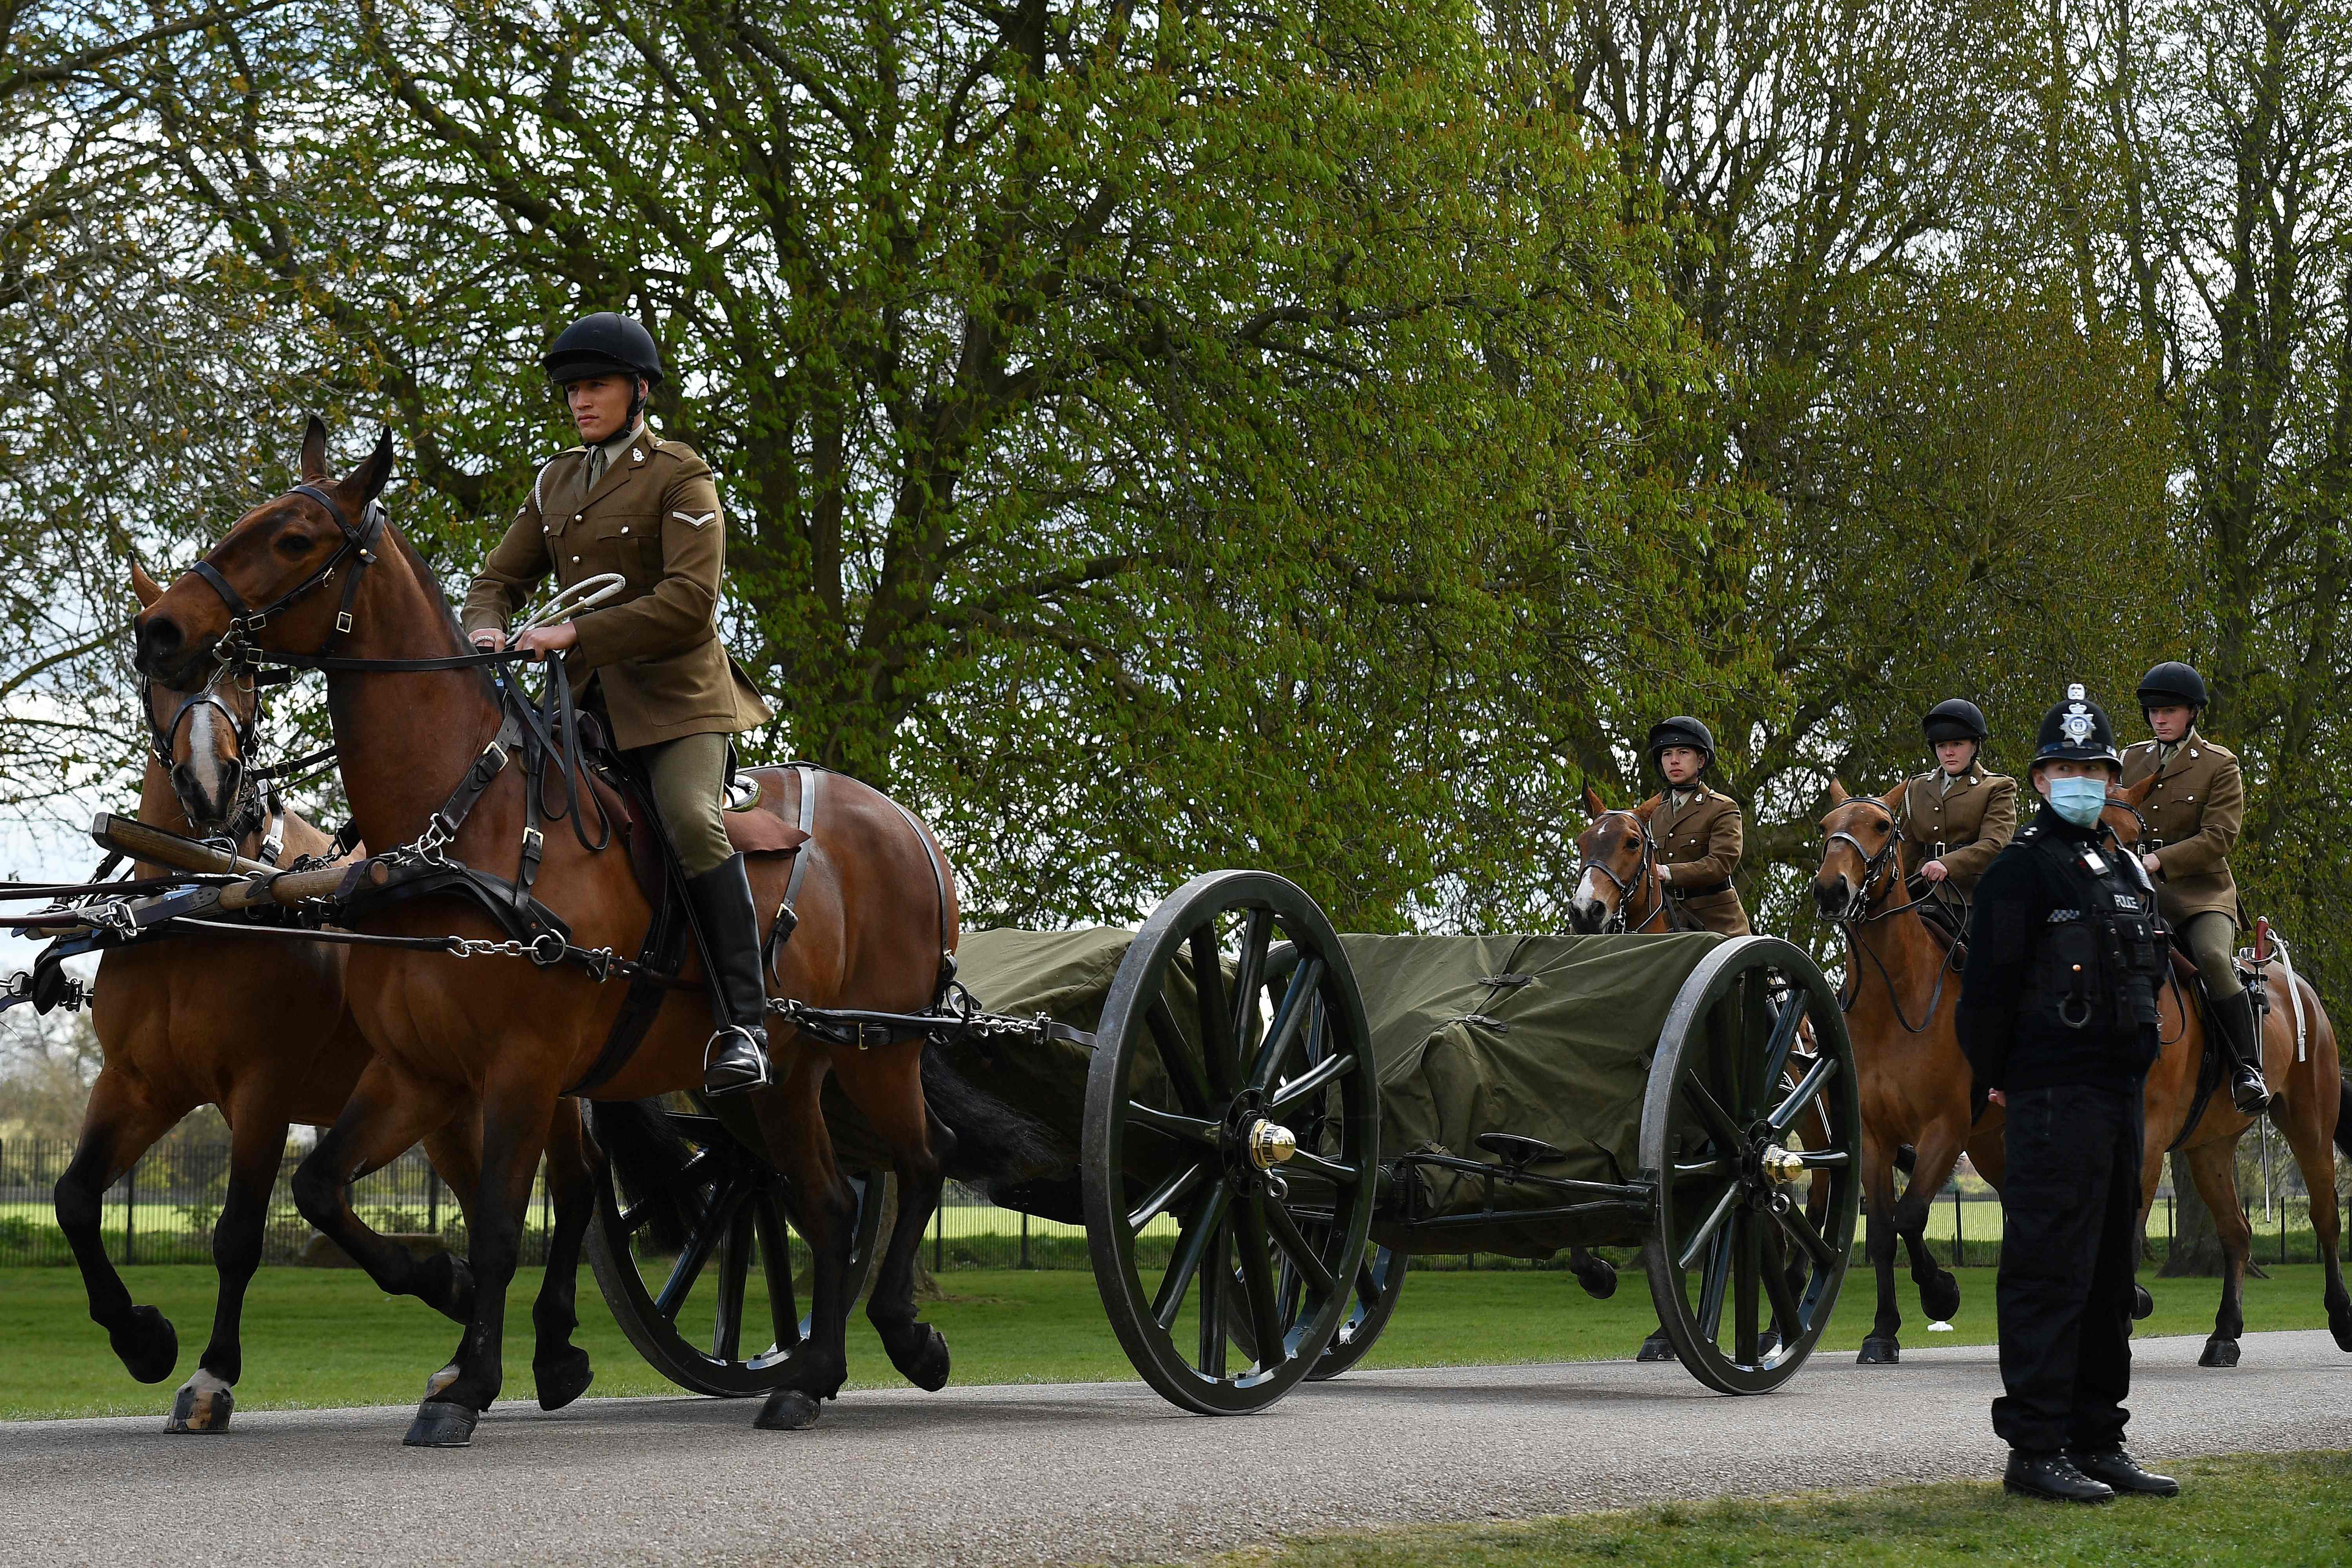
(605, 454)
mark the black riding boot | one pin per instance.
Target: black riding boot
(2242, 1036)
(737, 1057)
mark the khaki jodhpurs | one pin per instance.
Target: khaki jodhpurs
(689, 776)
(2210, 938)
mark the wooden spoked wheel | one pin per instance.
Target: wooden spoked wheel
(1754, 1148)
(1255, 1128)
(691, 1314)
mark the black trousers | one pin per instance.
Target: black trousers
(2069, 1244)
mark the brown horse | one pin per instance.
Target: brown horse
(1617, 884)
(1915, 1084)
(1902, 990)
(256, 1027)
(498, 1040)
(2311, 1103)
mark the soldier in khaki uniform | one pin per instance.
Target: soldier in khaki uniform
(2195, 809)
(627, 501)
(1956, 819)
(1697, 829)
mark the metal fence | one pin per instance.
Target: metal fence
(163, 1212)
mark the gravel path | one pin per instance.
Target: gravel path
(1084, 1472)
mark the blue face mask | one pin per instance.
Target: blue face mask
(2079, 800)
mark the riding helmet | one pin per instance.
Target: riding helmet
(2076, 730)
(1957, 719)
(1681, 730)
(605, 344)
(2172, 681)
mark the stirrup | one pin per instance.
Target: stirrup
(727, 1073)
(2243, 1088)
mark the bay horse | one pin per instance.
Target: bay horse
(1618, 888)
(499, 1040)
(1902, 995)
(1915, 1085)
(255, 1026)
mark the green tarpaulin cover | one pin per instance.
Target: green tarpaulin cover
(1546, 1037)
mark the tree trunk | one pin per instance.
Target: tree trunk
(2196, 1246)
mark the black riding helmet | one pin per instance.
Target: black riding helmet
(2076, 730)
(1957, 720)
(2172, 681)
(605, 344)
(1682, 730)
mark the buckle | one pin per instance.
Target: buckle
(342, 620)
(534, 838)
(547, 949)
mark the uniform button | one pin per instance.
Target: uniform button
(625, 527)
(576, 516)
(575, 560)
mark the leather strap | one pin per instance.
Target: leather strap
(1679, 891)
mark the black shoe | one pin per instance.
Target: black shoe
(2120, 1471)
(2053, 1479)
(2242, 1036)
(737, 1057)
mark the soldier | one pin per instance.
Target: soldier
(627, 501)
(1697, 829)
(2057, 1016)
(1957, 818)
(2195, 809)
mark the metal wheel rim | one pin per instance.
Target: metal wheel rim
(760, 1209)
(1728, 1280)
(1222, 1236)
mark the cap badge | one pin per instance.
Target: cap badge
(2077, 724)
(2075, 692)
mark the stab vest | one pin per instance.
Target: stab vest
(2101, 959)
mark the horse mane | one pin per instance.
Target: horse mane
(439, 599)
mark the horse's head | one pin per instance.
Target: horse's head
(201, 738)
(2122, 816)
(263, 578)
(1860, 851)
(1613, 854)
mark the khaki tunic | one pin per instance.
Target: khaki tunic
(654, 518)
(2196, 808)
(1972, 821)
(1702, 843)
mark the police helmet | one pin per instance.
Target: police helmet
(2169, 683)
(605, 344)
(2076, 730)
(1957, 719)
(1682, 730)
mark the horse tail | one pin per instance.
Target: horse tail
(649, 1158)
(993, 1142)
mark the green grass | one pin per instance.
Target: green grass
(2247, 1510)
(316, 1337)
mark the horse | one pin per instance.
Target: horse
(1617, 884)
(1916, 1086)
(1902, 995)
(876, 927)
(256, 1027)
(2311, 1104)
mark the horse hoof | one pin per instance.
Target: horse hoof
(440, 1423)
(1879, 1350)
(2219, 1352)
(563, 1380)
(1657, 1347)
(1939, 1297)
(2339, 1324)
(441, 1380)
(1599, 1281)
(787, 1410)
(203, 1405)
(2142, 1303)
(148, 1344)
(929, 1371)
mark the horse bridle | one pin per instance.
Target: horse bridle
(358, 548)
(1874, 866)
(1615, 924)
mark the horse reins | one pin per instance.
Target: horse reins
(1857, 913)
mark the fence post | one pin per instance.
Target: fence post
(1960, 1233)
(939, 1236)
(432, 1200)
(1024, 1239)
(131, 1215)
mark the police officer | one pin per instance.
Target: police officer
(1957, 818)
(627, 501)
(2057, 1016)
(1696, 828)
(2194, 809)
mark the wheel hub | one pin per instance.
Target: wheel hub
(1270, 1143)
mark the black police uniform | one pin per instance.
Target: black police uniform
(2057, 1011)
